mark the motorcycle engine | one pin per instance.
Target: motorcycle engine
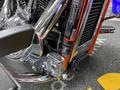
(43, 56)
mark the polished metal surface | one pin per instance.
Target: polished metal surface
(47, 16)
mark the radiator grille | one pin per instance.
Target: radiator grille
(92, 21)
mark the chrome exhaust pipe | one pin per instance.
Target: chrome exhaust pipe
(47, 16)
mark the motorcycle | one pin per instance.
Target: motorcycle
(65, 32)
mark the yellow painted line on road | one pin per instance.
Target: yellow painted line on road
(110, 81)
(90, 88)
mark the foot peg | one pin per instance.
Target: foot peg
(107, 29)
